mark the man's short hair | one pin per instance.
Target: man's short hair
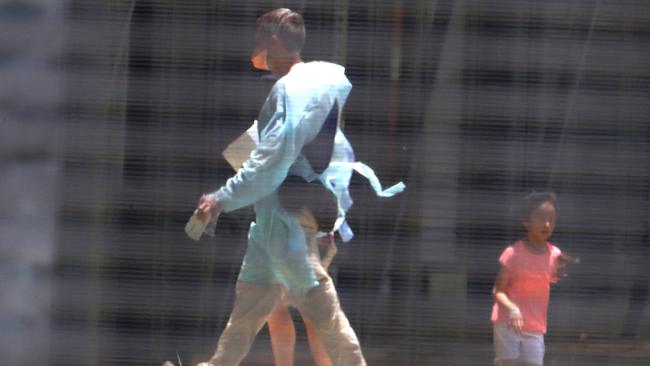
(288, 25)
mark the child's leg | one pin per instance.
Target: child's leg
(532, 349)
(253, 305)
(508, 363)
(310, 225)
(506, 345)
(317, 350)
(283, 335)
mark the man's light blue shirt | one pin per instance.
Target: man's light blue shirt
(291, 117)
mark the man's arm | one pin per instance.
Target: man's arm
(269, 163)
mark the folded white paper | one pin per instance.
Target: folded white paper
(195, 227)
(240, 150)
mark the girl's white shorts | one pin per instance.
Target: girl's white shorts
(508, 345)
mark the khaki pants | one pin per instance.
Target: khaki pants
(254, 303)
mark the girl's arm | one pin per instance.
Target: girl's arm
(499, 291)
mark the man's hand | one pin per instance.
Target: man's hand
(207, 208)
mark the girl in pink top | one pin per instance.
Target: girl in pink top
(521, 290)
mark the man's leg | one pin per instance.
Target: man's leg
(322, 308)
(253, 305)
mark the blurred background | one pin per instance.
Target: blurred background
(114, 114)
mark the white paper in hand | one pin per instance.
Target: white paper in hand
(195, 227)
(240, 150)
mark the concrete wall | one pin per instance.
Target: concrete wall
(30, 138)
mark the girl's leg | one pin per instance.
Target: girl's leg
(317, 350)
(532, 349)
(508, 363)
(283, 335)
(506, 345)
